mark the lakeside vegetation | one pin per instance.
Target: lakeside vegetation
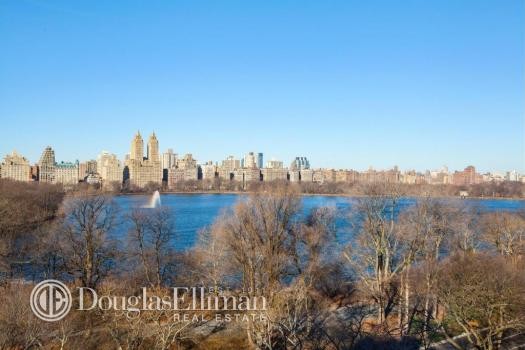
(503, 189)
(431, 272)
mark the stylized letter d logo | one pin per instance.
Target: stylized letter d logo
(50, 300)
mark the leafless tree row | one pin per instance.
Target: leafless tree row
(410, 276)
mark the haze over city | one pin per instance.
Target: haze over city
(349, 84)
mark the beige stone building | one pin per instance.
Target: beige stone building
(109, 168)
(345, 176)
(187, 162)
(176, 175)
(66, 173)
(329, 175)
(46, 166)
(294, 175)
(272, 174)
(230, 163)
(250, 161)
(87, 168)
(186, 169)
(274, 164)
(228, 167)
(307, 175)
(169, 159)
(247, 175)
(209, 170)
(15, 167)
(144, 170)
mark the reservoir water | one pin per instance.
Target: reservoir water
(196, 211)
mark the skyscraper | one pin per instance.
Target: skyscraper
(249, 161)
(169, 159)
(153, 148)
(300, 163)
(137, 148)
(260, 161)
(228, 166)
(47, 165)
(109, 168)
(144, 170)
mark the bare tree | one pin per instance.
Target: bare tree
(424, 229)
(483, 298)
(260, 239)
(24, 209)
(505, 232)
(87, 251)
(19, 328)
(211, 263)
(466, 234)
(151, 237)
(260, 235)
(376, 256)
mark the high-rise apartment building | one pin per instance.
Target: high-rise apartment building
(228, 166)
(250, 162)
(185, 170)
(209, 170)
(273, 174)
(169, 159)
(274, 164)
(306, 175)
(87, 168)
(66, 173)
(247, 175)
(467, 176)
(230, 163)
(144, 170)
(46, 165)
(15, 167)
(260, 160)
(187, 162)
(300, 163)
(109, 168)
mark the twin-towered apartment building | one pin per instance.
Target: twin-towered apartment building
(143, 167)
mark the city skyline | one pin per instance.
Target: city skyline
(350, 84)
(240, 156)
(146, 167)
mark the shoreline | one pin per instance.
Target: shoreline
(309, 195)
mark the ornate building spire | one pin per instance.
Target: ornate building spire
(153, 148)
(137, 147)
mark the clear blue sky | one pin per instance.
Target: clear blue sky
(346, 83)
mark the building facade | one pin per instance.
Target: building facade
(109, 168)
(209, 171)
(274, 164)
(247, 175)
(15, 167)
(66, 173)
(260, 160)
(46, 166)
(273, 174)
(250, 161)
(177, 175)
(169, 159)
(467, 176)
(300, 163)
(144, 170)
